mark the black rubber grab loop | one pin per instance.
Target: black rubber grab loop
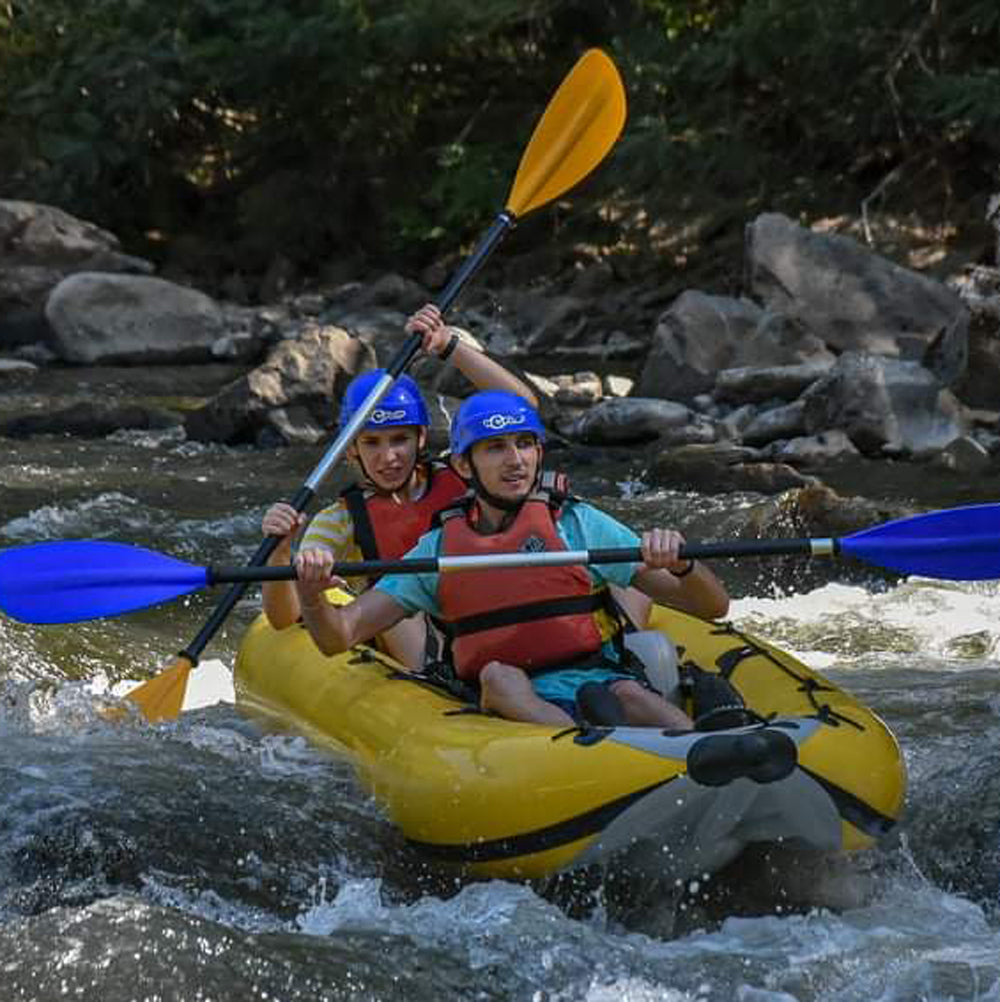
(765, 756)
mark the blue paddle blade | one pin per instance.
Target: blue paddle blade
(70, 581)
(960, 544)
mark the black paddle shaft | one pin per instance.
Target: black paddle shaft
(503, 223)
(611, 555)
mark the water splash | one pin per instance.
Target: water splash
(942, 622)
(109, 514)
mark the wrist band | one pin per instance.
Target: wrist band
(449, 347)
(687, 570)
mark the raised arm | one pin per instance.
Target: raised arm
(478, 368)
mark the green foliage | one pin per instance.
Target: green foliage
(967, 104)
(770, 88)
(282, 126)
(326, 128)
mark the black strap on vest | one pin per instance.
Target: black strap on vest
(527, 613)
(364, 531)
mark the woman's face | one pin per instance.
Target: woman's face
(388, 456)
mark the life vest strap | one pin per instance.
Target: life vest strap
(526, 614)
(364, 533)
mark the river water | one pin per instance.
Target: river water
(207, 860)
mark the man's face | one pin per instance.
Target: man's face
(507, 465)
(388, 456)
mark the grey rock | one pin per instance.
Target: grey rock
(754, 385)
(696, 337)
(722, 468)
(787, 421)
(620, 421)
(101, 318)
(884, 405)
(849, 297)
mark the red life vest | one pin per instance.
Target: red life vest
(484, 611)
(384, 529)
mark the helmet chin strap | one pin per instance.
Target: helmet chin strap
(502, 504)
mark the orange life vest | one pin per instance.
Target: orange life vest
(485, 611)
(385, 529)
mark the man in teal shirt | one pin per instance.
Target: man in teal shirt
(523, 638)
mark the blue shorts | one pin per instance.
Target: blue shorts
(560, 686)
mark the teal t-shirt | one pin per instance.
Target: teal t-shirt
(581, 526)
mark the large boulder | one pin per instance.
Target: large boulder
(584, 327)
(781, 340)
(749, 385)
(634, 420)
(294, 396)
(39, 246)
(885, 406)
(849, 297)
(696, 337)
(980, 387)
(979, 288)
(98, 318)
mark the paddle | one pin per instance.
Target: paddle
(71, 581)
(579, 126)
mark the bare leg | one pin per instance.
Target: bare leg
(405, 642)
(635, 604)
(646, 708)
(508, 691)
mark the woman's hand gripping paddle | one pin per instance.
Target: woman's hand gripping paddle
(579, 126)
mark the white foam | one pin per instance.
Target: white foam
(640, 990)
(940, 619)
(106, 514)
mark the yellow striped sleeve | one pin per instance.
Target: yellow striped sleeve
(333, 528)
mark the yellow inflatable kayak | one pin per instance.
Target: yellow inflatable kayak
(817, 770)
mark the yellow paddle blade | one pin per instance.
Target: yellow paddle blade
(581, 123)
(162, 697)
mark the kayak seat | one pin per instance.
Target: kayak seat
(657, 656)
(764, 756)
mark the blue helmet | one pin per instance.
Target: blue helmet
(402, 404)
(492, 413)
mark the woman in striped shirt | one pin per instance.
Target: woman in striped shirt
(399, 488)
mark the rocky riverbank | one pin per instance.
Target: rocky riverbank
(834, 359)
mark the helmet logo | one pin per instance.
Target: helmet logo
(497, 422)
(379, 415)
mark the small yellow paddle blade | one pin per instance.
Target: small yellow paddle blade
(581, 123)
(162, 697)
